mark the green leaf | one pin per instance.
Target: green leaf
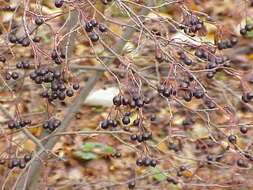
(86, 155)
(158, 174)
(98, 148)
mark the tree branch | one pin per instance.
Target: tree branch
(36, 166)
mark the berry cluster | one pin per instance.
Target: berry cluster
(146, 162)
(227, 44)
(57, 58)
(55, 78)
(23, 65)
(136, 101)
(51, 125)
(19, 124)
(14, 75)
(108, 123)
(90, 25)
(24, 41)
(247, 28)
(192, 25)
(142, 137)
(184, 86)
(17, 162)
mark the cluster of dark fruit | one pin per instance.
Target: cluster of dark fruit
(247, 97)
(192, 26)
(187, 123)
(172, 180)
(232, 139)
(19, 124)
(167, 92)
(116, 155)
(136, 101)
(214, 62)
(24, 41)
(8, 8)
(146, 162)
(142, 137)
(13, 75)
(21, 163)
(247, 28)
(90, 25)
(51, 125)
(58, 88)
(108, 123)
(189, 94)
(23, 65)
(57, 58)
(227, 44)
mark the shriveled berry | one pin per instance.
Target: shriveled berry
(22, 165)
(167, 92)
(126, 128)
(104, 124)
(94, 37)
(131, 184)
(160, 88)
(19, 65)
(171, 180)
(25, 42)
(133, 137)
(187, 61)
(94, 23)
(146, 161)
(88, 27)
(39, 21)
(139, 162)
(198, 93)
(153, 117)
(241, 163)
(117, 101)
(58, 3)
(210, 75)
(102, 28)
(11, 125)
(2, 59)
(13, 39)
(76, 86)
(243, 130)
(146, 135)
(248, 27)
(139, 103)
(136, 122)
(112, 123)
(140, 138)
(69, 93)
(153, 163)
(243, 31)
(233, 40)
(14, 75)
(126, 120)
(7, 76)
(232, 139)
(36, 39)
(125, 101)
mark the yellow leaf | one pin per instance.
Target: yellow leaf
(163, 147)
